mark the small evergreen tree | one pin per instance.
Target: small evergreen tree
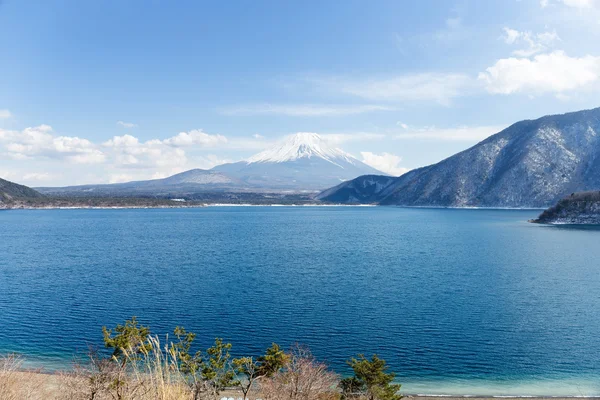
(127, 341)
(370, 380)
(248, 368)
(190, 364)
(270, 363)
(217, 370)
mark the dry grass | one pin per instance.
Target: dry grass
(156, 376)
(303, 379)
(16, 384)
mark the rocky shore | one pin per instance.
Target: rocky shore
(582, 208)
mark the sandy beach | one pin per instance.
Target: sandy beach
(33, 385)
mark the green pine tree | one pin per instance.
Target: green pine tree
(217, 369)
(190, 364)
(371, 380)
(128, 341)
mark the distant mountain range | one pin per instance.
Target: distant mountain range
(529, 164)
(304, 162)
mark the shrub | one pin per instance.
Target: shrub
(370, 380)
(303, 378)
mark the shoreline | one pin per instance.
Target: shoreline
(132, 207)
(202, 205)
(50, 381)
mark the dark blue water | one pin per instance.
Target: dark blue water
(457, 301)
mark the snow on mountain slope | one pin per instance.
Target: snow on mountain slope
(529, 164)
(303, 145)
(304, 161)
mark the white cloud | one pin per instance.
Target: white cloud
(24, 177)
(461, 133)
(545, 73)
(203, 162)
(303, 110)
(37, 177)
(9, 175)
(249, 143)
(211, 160)
(454, 23)
(511, 35)
(534, 43)
(121, 158)
(453, 31)
(5, 114)
(128, 125)
(337, 139)
(128, 152)
(195, 137)
(579, 3)
(120, 178)
(163, 157)
(438, 87)
(39, 141)
(258, 136)
(385, 162)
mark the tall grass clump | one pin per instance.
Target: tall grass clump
(136, 365)
(9, 376)
(19, 384)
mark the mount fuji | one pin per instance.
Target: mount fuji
(303, 162)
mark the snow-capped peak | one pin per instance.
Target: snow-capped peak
(302, 145)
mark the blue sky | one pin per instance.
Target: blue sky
(108, 91)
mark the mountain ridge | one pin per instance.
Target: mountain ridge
(532, 163)
(10, 191)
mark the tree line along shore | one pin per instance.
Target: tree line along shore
(136, 365)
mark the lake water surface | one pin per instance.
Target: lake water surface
(457, 301)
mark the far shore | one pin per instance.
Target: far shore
(104, 207)
(201, 205)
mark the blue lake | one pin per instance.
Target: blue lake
(457, 301)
